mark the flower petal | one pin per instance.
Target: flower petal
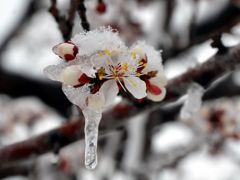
(100, 60)
(110, 90)
(78, 95)
(136, 87)
(154, 57)
(53, 72)
(157, 98)
(160, 80)
(86, 66)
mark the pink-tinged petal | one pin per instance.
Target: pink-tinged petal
(67, 50)
(110, 90)
(77, 96)
(153, 89)
(136, 87)
(158, 97)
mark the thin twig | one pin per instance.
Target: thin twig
(82, 15)
(65, 24)
(222, 22)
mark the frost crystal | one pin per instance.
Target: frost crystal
(97, 65)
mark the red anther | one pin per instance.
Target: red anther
(84, 79)
(143, 63)
(115, 28)
(101, 7)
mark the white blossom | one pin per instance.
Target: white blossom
(97, 65)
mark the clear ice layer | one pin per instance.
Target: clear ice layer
(92, 120)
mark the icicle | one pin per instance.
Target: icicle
(193, 102)
(92, 120)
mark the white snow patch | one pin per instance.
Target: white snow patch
(200, 165)
(31, 52)
(46, 123)
(10, 14)
(172, 135)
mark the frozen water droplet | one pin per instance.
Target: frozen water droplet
(193, 102)
(92, 119)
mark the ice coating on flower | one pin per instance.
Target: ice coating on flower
(70, 75)
(102, 67)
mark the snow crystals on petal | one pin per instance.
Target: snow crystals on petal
(154, 57)
(97, 40)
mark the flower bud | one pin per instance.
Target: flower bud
(67, 51)
(70, 75)
(101, 7)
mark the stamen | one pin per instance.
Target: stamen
(122, 85)
(134, 55)
(108, 52)
(101, 72)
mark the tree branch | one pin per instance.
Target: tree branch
(82, 15)
(222, 22)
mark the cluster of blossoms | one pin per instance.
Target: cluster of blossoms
(97, 64)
